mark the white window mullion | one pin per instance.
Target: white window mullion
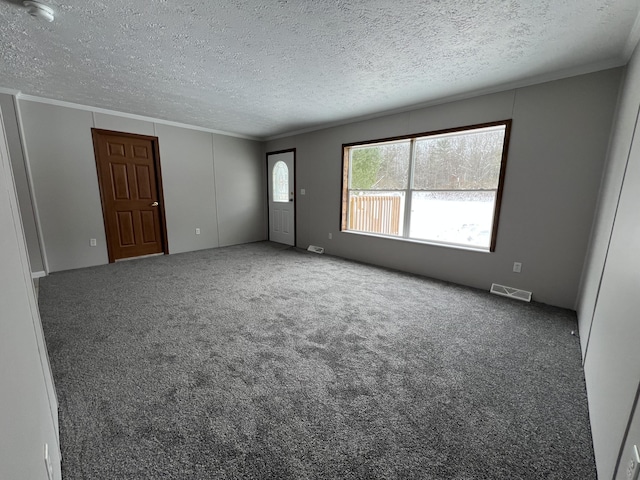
(350, 160)
(407, 194)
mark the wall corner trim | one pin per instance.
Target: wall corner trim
(633, 40)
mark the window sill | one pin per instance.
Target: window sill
(455, 246)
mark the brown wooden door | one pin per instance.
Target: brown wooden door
(131, 191)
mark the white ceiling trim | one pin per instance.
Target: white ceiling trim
(559, 75)
(9, 91)
(77, 106)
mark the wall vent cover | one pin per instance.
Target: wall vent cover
(511, 292)
(314, 249)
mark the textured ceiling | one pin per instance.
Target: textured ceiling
(262, 68)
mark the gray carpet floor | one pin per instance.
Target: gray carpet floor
(263, 362)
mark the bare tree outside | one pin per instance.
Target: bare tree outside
(460, 162)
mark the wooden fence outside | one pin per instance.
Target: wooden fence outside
(375, 214)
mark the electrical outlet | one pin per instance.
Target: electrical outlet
(303, 191)
(197, 231)
(47, 462)
(93, 242)
(517, 267)
(330, 236)
(633, 467)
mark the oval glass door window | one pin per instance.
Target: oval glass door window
(280, 182)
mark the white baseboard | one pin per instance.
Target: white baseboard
(38, 274)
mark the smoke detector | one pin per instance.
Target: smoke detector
(39, 10)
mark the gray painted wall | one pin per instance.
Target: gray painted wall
(21, 180)
(187, 173)
(65, 184)
(212, 182)
(558, 146)
(28, 410)
(621, 138)
(123, 124)
(240, 189)
(612, 351)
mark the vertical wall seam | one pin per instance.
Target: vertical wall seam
(600, 192)
(14, 208)
(32, 192)
(215, 188)
(28, 179)
(613, 226)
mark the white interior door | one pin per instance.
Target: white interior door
(282, 199)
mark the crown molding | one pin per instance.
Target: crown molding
(9, 91)
(77, 106)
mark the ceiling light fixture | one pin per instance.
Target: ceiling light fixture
(39, 10)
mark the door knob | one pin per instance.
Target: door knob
(154, 204)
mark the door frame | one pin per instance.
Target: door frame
(295, 193)
(95, 133)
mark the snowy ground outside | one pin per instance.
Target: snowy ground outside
(453, 217)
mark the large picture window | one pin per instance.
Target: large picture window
(441, 187)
